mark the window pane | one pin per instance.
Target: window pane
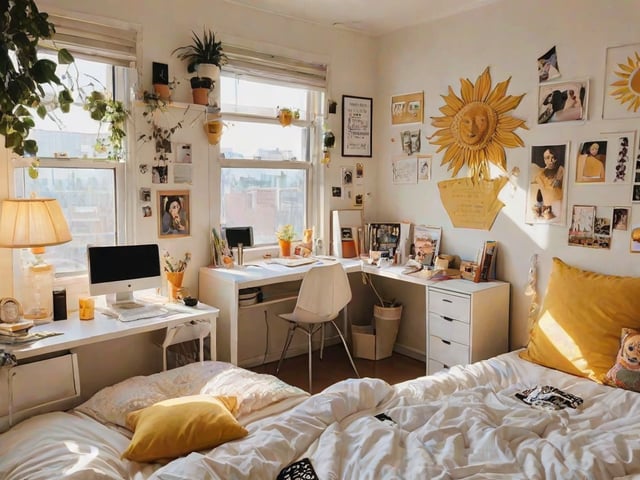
(264, 199)
(87, 198)
(246, 96)
(264, 141)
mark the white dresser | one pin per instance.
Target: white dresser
(466, 322)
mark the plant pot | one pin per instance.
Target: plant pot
(200, 96)
(174, 285)
(213, 129)
(285, 118)
(285, 247)
(162, 91)
(201, 82)
(211, 71)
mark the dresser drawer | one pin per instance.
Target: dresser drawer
(447, 352)
(435, 366)
(448, 329)
(451, 306)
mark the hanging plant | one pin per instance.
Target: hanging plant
(108, 111)
(154, 106)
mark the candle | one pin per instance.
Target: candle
(87, 308)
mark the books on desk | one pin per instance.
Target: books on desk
(17, 328)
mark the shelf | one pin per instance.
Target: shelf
(270, 301)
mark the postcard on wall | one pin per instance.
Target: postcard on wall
(548, 66)
(405, 170)
(173, 213)
(182, 173)
(619, 169)
(563, 101)
(410, 140)
(347, 176)
(621, 87)
(357, 119)
(424, 168)
(635, 238)
(407, 108)
(546, 196)
(590, 227)
(183, 153)
(359, 180)
(591, 161)
(621, 217)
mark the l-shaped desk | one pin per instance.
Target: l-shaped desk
(487, 303)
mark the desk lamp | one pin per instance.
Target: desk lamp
(34, 223)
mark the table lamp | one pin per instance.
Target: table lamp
(34, 223)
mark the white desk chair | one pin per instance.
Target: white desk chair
(324, 292)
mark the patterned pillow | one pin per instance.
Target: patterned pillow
(626, 371)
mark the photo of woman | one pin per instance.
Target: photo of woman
(174, 217)
(591, 162)
(546, 199)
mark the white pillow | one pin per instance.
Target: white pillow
(112, 404)
(254, 391)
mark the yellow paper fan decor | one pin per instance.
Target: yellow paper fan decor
(476, 128)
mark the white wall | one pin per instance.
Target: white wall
(507, 36)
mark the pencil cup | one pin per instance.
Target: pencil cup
(87, 309)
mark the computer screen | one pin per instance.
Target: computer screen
(122, 269)
(236, 235)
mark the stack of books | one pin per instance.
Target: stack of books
(14, 332)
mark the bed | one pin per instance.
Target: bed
(563, 407)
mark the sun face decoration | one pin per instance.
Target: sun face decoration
(476, 128)
(627, 89)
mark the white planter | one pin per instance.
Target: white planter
(211, 71)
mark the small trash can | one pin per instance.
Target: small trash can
(375, 342)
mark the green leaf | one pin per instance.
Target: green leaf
(41, 111)
(44, 71)
(64, 57)
(31, 147)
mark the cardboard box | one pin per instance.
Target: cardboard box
(369, 345)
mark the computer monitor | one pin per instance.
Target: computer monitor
(236, 235)
(118, 271)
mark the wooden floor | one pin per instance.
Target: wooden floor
(335, 366)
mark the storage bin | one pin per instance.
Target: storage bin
(375, 342)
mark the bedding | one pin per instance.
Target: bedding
(88, 442)
(466, 423)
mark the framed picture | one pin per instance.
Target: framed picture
(621, 99)
(635, 238)
(563, 101)
(426, 242)
(407, 108)
(357, 121)
(173, 213)
(547, 197)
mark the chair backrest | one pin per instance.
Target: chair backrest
(325, 290)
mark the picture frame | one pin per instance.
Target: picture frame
(357, 122)
(619, 100)
(634, 238)
(174, 212)
(407, 108)
(547, 187)
(582, 229)
(426, 243)
(565, 101)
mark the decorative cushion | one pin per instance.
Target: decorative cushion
(626, 371)
(178, 426)
(579, 325)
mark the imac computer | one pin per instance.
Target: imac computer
(118, 271)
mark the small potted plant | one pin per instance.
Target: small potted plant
(203, 51)
(286, 115)
(200, 88)
(285, 235)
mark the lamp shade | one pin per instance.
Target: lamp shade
(32, 222)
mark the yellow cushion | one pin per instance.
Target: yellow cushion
(578, 329)
(178, 426)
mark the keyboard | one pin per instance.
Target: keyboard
(139, 313)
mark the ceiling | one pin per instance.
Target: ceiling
(371, 17)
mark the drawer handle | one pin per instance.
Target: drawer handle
(447, 300)
(446, 341)
(445, 365)
(448, 319)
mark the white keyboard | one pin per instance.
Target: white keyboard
(139, 313)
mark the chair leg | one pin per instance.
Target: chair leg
(310, 357)
(321, 340)
(346, 348)
(292, 329)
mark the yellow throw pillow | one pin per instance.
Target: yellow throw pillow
(178, 426)
(578, 329)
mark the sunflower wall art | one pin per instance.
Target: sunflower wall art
(474, 132)
(622, 82)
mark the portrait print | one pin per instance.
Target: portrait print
(591, 162)
(173, 213)
(562, 101)
(546, 198)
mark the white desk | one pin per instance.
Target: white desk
(221, 286)
(76, 333)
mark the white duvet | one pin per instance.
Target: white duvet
(465, 424)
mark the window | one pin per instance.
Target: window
(266, 168)
(88, 188)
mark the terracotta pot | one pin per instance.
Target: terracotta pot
(163, 91)
(285, 248)
(174, 285)
(200, 96)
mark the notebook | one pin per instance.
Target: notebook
(293, 262)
